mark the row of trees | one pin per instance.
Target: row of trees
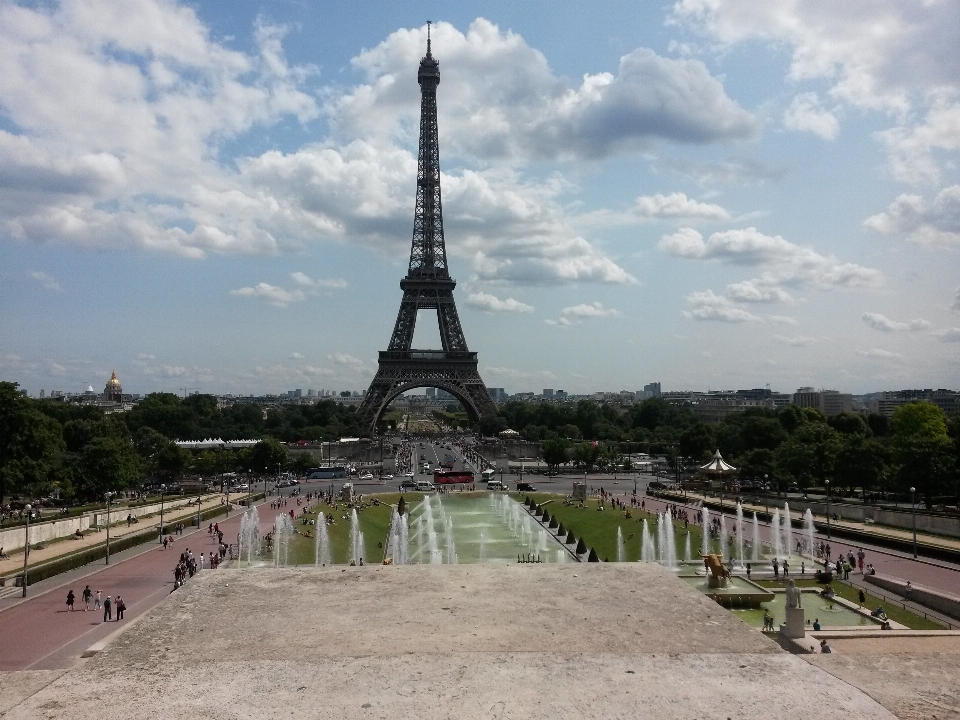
(80, 452)
(919, 447)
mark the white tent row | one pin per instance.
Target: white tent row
(216, 444)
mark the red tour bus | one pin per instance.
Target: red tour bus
(445, 477)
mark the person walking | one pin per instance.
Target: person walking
(70, 598)
(107, 609)
(86, 598)
(96, 605)
(121, 606)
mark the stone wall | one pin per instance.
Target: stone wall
(47, 530)
(941, 602)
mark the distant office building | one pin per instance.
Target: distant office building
(498, 394)
(651, 390)
(548, 393)
(887, 402)
(311, 392)
(431, 392)
(834, 402)
(560, 394)
(829, 402)
(298, 393)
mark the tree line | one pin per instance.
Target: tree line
(918, 447)
(79, 452)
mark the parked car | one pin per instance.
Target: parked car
(366, 476)
(408, 485)
(495, 485)
(525, 487)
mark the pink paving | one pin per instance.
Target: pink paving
(41, 634)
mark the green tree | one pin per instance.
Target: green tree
(556, 452)
(861, 463)
(106, 463)
(267, 455)
(585, 454)
(696, 441)
(30, 443)
(923, 450)
(809, 455)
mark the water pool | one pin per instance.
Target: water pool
(458, 529)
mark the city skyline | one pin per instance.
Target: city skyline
(703, 194)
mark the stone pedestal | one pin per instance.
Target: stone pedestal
(794, 626)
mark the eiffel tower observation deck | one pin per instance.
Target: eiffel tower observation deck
(427, 286)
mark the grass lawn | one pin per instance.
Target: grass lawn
(849, 592)
(374, 524)
(599, 529)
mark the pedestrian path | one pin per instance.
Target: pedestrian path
(91, 538)
(39, 633)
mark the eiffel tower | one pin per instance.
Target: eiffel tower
(427, 286)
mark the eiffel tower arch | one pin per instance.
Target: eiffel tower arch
(427, 286)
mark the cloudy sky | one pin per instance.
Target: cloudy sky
(713, 194)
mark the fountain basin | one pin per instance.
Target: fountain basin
(738, 592)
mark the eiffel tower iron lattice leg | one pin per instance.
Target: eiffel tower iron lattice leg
(427, 286)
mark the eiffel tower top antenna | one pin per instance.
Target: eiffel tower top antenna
(429, 22)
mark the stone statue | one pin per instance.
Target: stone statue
(793, 595)
(714, 564)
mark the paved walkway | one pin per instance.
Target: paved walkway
(118, 529)
(39, 633)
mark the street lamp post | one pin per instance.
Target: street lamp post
(107, 496)
(163, 489)
(199, 498)
(766, 498)
(827, 483)
(913, 504)
(26, 547)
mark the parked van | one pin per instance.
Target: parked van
(425, 486)
(495, 485)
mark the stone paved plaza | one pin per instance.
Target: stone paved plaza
(486, 641)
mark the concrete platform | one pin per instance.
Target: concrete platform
(599, 640)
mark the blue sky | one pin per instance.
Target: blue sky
(712, 194)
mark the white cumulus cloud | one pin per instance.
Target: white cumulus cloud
(781, 262)
(707, 305)
(933, 225)
(885, 324)
(805, 114)
(677, 205)
(493, 304)
(585, 311)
